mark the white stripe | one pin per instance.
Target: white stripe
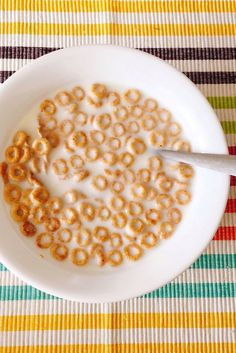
(229, 219)
(112, 336)
(182, 65)
(136, 305)
(221, 247)
(132, 42)
(114, 17)
(231, 138)
(214, 90)
(227, 114)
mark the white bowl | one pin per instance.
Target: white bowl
(125, 68)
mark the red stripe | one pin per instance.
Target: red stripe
(231, 206)
(225, 233)
(232, 180)
(232, 150)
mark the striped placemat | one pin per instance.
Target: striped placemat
(195, 313)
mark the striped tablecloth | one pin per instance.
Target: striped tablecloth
(196, 312)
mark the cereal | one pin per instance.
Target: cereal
(155, 163)
(109, 158)
(95, 103)
(28, 229)
(182, 197)
(20, 138)
(69, 215)
(150, 105)
(99, 182)
(157, 139)
(97, 137)
(152, 193)
(166, 229)
(114, 257)
(133, 251)
(101, 233)
(102, 121)
(174, 215)
(164, 115)
(19, 212)
(13, 154)
(79, 139)
(66, 127)
(115, 240)
(38, 214)
(121, 113)
(174, 129)
(87, 211)
(47, 124)
(40, 195)
(71, 196)
(186, 171)
(17, 172)
(79, 256)
(91, 153)
(48, 107)
(84, 237)
(136, 225)
(148, 123)
(78, 93)
(164, 183)
(4, 172)
(80, 119)
(99, 90)
(81, 175)
(136, 111)
(55, 205)
(41, 146)
(132, 96)
(117, 187)
(12, 193)
(76, 162)
(103, 213)
(52, 224)
(59, 251)
(164, 201)
(181, 145)
(60, 167)
(152, 216)
(73, 108)
(129, 176)
(63, 98)
(149, 240)
(118, 129)
(113, 98)
(135, 208)
(139, 191)
(143, 175)
(126, 159)
(64, 235)
(117, 202)
(137, 145)
(26, 154)
(53, 138)
(133, 127)
(25, 197)
(119, 220)
(44, 240)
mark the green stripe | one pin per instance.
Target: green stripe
(3, 268)
(229, 127)
(222, 102)
(182, 290)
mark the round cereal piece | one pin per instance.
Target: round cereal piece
(28, 229)
(26, 154)
(152, 216)
(182, 197)
(117, 202)
(126, 159)
(117, 187)
(80, 118)
(150, 105)
(133, 251)
(38, 214)
(114, 257)
(132, 96)
(173, 129)
(102, 121)
(95, 103)
(12, 193)
(114, 143)
(116, 240)
(59, 251)
(33, 180)
(135, 208)
(64, 235)
(166, 229)
(129, 176)
(164, 115)
(48, 123)
(78, 93)
(69, 215)
(25, 197)
(71, 196)
(101, 233)
(4, 172)
(84, 237)
(73, 108)
(174, 215)
(133, 127)
(103, 213)
(41, 146)
(136, 111)
(148, 122)
(100, 257)
(136, 225)
(186, 171)
(181, 145)
(44, 240)
(79, 139)
(113, 98)
(76, 162)
(96, 247)
(19, 212)
(52, 224)
(40, 195)
(91, 153)
(55, 204)
(109, 158)
(17, 172)
(149, 240)
(118, 129)
(81, 175)
(60, 167)
(157, 139)
(165, 183)
(13, 154)
(164, 201)
(119, 220)
(48, 107)
(97, 137)
(79, 257)
(66, 127)
(99, 90)
(87, 211)
(121, 113)
(53, 138)
(139, 191)
(68, 147)
(137, 145)
(63, 98)
(152, 193)
(20, 138)
(155, 163)
(143, 175)
(100, 182)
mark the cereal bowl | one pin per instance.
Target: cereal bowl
(122, 68)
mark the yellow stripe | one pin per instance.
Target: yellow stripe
(126, 348)
(118, 6)
(116, 321)
(118, 29)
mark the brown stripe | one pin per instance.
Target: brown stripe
(163, 53)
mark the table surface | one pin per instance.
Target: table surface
(196, 311)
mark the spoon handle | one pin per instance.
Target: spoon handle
(220, 162)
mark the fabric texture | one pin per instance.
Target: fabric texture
(195, 313)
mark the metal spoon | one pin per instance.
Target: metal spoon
(220, 162)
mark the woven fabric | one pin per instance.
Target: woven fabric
(195, 313)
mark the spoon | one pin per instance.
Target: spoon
(220, 162)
